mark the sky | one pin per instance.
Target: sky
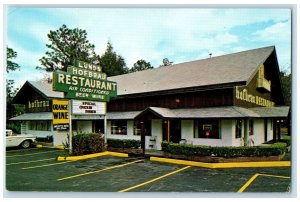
(179, 34)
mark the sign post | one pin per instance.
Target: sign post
(70, 127)
(105, 128)
(84, 81)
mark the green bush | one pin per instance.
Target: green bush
(246, 151)
(14, 126)
(286, 139)
(117, 143)
(87, 144)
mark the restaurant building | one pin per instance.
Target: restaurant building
(229, 100)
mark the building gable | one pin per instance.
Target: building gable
(263, 88)
(33, 99)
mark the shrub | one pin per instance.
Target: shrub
(87, 144)
(15, 127)
(117, 143)
(286, 139)
(246, 151)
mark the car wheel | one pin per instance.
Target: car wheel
(25, 144)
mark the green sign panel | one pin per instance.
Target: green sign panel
(84, 82)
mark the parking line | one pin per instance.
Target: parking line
(255, 176)
(46, 165)
(278, 176)
(33, 153)
(16, 150)
(98, 171)
(29, 161)
(155, 179)
(248, 182)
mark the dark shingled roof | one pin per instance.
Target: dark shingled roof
(226, 69)
(46, 89)
(231, 68)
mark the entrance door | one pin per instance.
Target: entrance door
(98, 126)
(172, 130)
(175, 131)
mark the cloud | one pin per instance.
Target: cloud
(153, 33)
(278, 34)
(279, 31)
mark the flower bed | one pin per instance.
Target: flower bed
(274, 152)
(89, 143)
(124, 146)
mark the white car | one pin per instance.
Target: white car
(23, 140)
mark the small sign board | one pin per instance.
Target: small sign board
(88, 107)
(61, 127)
(60, 114)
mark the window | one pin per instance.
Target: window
(251, 127)
(40, 125)
(238, 128)
(271, 121)
(137, 128)
(119, 127)
(207, 129)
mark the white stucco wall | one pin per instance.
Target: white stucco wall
(187, 130)
(237, 141)
(227, 133)
(270, 130)
(156, 133)
(129, 135)
(227, 128)
(258, 132)
(60, 137)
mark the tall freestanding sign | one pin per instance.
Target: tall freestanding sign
(84, 81)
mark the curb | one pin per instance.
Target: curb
(45, 146)
(88, 156)
(59, 147)
(224, 165)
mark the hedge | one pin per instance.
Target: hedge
(287, 140)
(117, 143)
(244, 151)
(87, 144)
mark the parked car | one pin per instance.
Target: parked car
(19, 140)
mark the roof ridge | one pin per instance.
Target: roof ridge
(227, 54)
(181, 63)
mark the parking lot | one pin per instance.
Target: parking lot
(37, 169)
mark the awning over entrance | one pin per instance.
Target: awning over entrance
(48, 116)
(266, 112)
(158, 112)
(122, 115)
(216, 112)
(33, 116)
